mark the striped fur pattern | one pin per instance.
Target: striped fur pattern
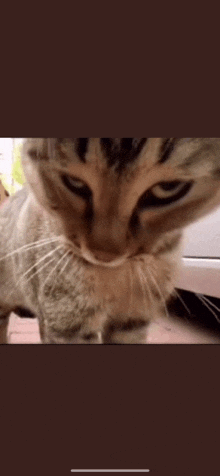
(92, 244)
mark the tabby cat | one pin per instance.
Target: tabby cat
(92, 244)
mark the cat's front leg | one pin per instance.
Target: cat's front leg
(58, 336)
(129, 330)
(4, 320)
(71, 327)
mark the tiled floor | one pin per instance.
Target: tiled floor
(23, 331)
(163, 331)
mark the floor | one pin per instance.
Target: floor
(23, 331)
(162, 331)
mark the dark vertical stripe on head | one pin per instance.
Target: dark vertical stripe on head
(126, 145)
(108, 146)
(81, 146)
(119, 153)
(166, 149)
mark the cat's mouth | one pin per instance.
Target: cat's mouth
(95, 257)
(102, 258)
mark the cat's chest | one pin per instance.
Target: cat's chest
(80, 288)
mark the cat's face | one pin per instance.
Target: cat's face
(116, 198)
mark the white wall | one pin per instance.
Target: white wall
(6, 149)
(202, 239)
(201, 263)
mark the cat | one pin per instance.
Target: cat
(92, 243)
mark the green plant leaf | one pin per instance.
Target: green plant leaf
(17, 172)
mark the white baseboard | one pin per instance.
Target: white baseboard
(200, 275)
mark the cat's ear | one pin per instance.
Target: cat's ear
(36, 148)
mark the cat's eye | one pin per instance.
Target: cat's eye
(164, 193)
(77, 186)
(167, 189)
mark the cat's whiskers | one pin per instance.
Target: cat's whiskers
(159, 291)
(61, 271)
(183, 303)
(28, 271)
(147, 285)
(55, 267)
(30, 246)
(145, 276)
(38, 270)
(65, 265)
(210, 302)
(142, 280)
(37, 263)
(204, 300)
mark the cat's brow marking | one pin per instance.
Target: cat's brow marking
(121, 152)
(166, 149)
(81, 147)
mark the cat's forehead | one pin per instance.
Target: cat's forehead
(114, 150)
(120, 153)
(115, 153)
(128, 155)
